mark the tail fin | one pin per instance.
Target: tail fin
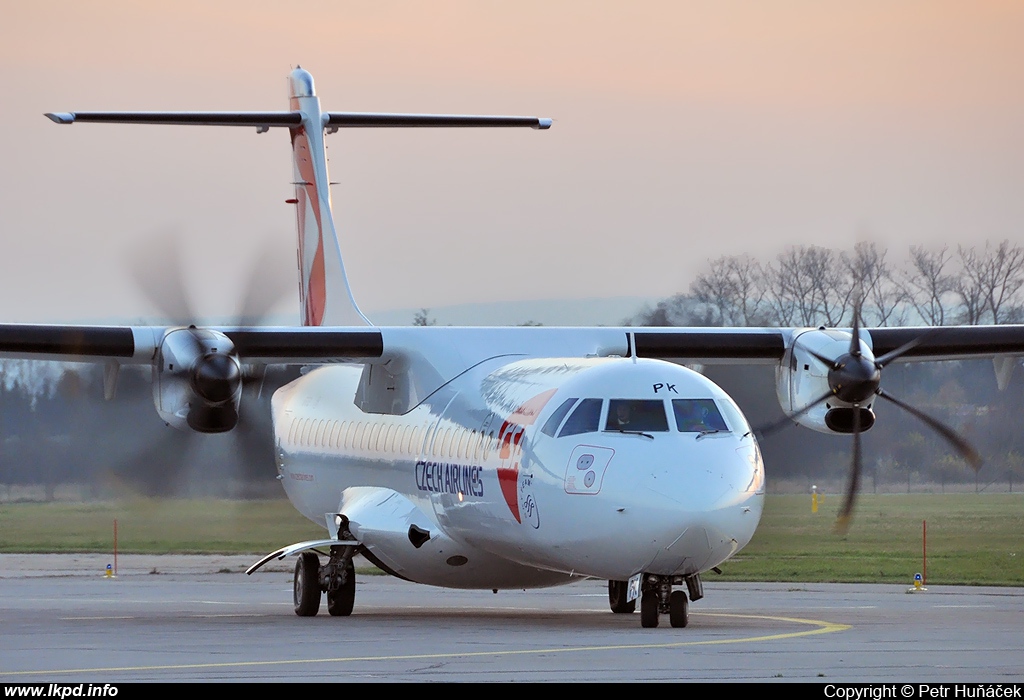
(324, 290)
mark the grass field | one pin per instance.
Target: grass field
(972, 539)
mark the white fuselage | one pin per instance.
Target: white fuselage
(499, 493)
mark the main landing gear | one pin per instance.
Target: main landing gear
(657, 598)
(337, 578)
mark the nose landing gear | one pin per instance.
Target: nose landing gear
(658, 598)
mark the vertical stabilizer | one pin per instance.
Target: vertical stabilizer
(324, 293)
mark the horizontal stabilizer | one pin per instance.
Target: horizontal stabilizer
(257, 119)
(347, 120)
(332, 120)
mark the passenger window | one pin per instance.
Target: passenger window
(585, 419)
(644, 415)
(697, 415)
(551, 426)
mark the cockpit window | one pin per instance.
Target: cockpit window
(697, 415)
(551, 426)
(584, 419)
(635, 414)
(735, 417)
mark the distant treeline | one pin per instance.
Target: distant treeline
(813, 285)
(56, 428)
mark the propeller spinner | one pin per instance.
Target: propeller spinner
(855, 379)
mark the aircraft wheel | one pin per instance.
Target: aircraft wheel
(306, 592)
(649, 609)
(617, 597)
(678, 612)
(340, 602)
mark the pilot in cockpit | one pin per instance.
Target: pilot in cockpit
(622, 415)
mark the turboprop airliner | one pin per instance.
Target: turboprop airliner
(498, 458)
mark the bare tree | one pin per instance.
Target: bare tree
(1004, 277)
(808, 285)
(970, 286)
(989, 283)
(422, 318)
(733, 287)
(927, 285)
(872, 283)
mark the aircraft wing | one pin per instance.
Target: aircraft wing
(315, 345)
(950, 342)
(712, 345)
(766, 345)
(139, 344)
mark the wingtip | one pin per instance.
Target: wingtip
(543, 123)
(61, 117)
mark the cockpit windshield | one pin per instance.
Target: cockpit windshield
(698, 416)
(551, 426)
(584, 419)
(643, 415)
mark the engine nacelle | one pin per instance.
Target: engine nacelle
(197, 380)
(801, 378)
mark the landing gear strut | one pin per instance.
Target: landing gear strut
(657, 597)
(337, 578)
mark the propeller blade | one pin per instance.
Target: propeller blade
(961, 445)
(159, 466)
(845, 516)
(827, 361)
(855, 336)
(158, 270)
(786, 421)
(888, 357)
(265, 287)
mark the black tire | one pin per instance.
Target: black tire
(617, 591)
(306, 591)
(649, 609)
(341, 601)
(678, 609)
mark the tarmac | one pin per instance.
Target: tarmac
(200, 618)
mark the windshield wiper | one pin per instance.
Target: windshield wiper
(708, 432)
(634, 432)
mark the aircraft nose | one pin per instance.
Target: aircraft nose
(701, 509)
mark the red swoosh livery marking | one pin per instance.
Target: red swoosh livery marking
(315, 292)
(510, 437)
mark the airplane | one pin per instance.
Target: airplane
(497, 458)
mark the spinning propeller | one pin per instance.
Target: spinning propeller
(200, 383)
(854, 378)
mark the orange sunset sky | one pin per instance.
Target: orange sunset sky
(683, 131)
